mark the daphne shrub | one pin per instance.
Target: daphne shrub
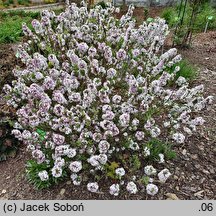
(95, 94)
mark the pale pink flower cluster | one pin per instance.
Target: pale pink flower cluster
(98, 88)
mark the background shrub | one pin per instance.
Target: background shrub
(170, 14)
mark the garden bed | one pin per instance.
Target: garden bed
(16, 4)
(193, 170)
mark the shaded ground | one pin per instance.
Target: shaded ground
(194, 169)
(7, 63)
(203, 51)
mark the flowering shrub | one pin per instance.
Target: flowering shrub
(95, 92)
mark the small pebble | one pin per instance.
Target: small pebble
(3, 191)
(62, 192)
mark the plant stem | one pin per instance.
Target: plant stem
(206, 27)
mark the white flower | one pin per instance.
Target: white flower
(163, 175)
(75, 97)
(17, 134)
(77, 182)
(178, 137)
(82, 47)
(75, 179)
(111, 73)
(58, 139)
(161, 156)
(151, 180)
(71, 153)
(133, 177)
(93, 187)
(131, 188)
(198, 121)
(75, 166)
(94, 160)
(140, 135)
(102, 158)
(116, 99)
(109, 115)
(151, 189)
(120, 172)
(166, 124)
(155, 132)
(44, 176)
(57, 171)
(73, 176)
(97, 137)
(114, 189)
(26, 134)
(117, 10)
(124, 119)
(103, 146)
(61, 150)
(134, 145)
(30, 148)
(121, 54)
(180, 81)
(135, 122)
(135, 52)
(146, 151)
(150, 170)
(59, 162)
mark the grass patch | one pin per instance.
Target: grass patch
(11, 24)
(157, 147)
(187, 70)
(11, 28)
(23, 2)
(20, 13)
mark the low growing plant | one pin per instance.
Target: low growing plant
(187, 70)
(94, 100)
(11, 29)
(7, 3)
(23, 2)
(11, 24)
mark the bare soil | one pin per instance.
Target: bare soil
(194, 169)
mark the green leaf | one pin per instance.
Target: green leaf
(150, 20)
(111, 175)
(145, 180)
(210, 17)
(176, 19)
(41, 133)
(113, 165)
